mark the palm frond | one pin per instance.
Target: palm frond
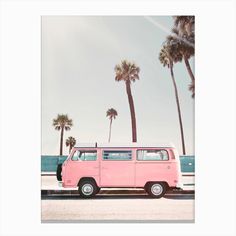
(112, 113)
(127, 71)
(192, 88)
(165, 57)
(57, 127)
(62, 121)
(70, 141)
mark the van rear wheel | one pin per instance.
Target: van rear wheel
(156, 189)
(87, 189)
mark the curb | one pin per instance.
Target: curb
(48, 192)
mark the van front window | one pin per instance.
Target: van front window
(84, 155)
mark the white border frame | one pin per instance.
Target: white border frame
(215, 115)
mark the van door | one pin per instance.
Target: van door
(153, 165)
(83, 163)
(117, 168)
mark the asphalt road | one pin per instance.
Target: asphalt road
(172, 207)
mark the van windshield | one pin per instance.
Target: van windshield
(84, 155)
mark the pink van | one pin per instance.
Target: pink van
(156, 168)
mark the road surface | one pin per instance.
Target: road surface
(172, 207)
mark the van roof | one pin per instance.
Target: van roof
(122, 145)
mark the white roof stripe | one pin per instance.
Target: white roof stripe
(122, 145)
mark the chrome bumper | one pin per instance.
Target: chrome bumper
(180, 186)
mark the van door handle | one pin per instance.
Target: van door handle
(168, 167)
(96, 167)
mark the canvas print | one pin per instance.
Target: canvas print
(117, 119)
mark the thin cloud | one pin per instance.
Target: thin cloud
(166, 30)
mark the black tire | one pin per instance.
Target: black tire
(156, 189)
(88, 188)
(59, 169)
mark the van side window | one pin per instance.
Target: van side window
(117, 155)
(152, 155)
(84, 155)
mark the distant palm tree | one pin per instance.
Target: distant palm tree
(111, 113)
(167, 58)
(128, 72)
(62, 122)
(70, 141)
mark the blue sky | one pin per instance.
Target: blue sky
(79, 54)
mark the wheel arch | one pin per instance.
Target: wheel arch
(151, 182)
(87, 179)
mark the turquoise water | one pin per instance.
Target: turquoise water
(187, 163)
(49, 163)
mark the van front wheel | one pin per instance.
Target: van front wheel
(156, 189)
(87, 189)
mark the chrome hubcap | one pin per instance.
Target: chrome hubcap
(157, 189)
(87, 189)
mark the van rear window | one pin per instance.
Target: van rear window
(152, 155)
(117, 155)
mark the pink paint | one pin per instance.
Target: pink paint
(122, 173)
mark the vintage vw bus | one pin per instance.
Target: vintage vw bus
(154, 167)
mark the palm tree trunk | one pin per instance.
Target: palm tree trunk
(61, 142)
(178, 107)
(109, 139)
(189, 69)
(132, 111)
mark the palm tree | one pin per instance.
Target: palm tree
(111, 113)
(70, 141)
(186, 24)
(184, 45)
(129, 72)
(184, 34)
(167, 58)
(62, 122)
